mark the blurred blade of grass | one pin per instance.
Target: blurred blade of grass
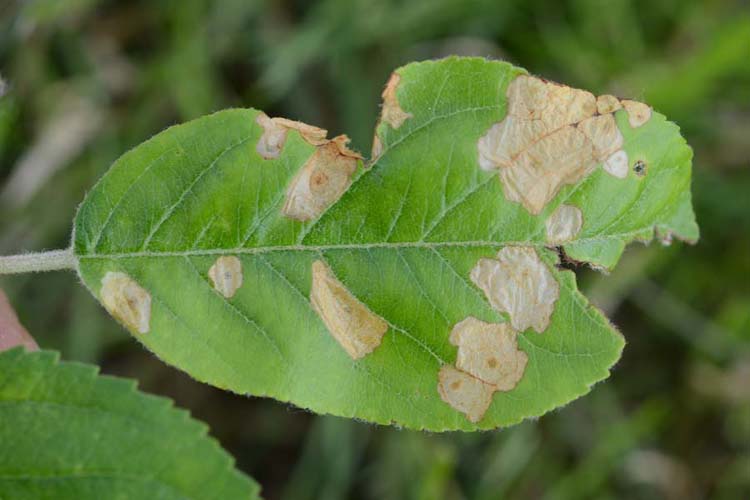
(590, 475)
(505, 460)
(678, 86)
(415, 466)
(328, 465)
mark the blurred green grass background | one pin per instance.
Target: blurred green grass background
(88, 79)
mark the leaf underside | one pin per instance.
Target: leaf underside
(68, 433)
(402, 239)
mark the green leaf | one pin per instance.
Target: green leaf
(67, 432)
(395, 253)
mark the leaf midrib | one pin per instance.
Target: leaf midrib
(353, 246)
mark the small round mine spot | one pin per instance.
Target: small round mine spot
(639, 167)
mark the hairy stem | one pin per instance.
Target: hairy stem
(53, 260)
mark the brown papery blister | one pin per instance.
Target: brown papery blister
(552, 135)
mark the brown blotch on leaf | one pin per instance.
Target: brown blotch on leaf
(517, 282)
(392, 114)
(126, 301)
(321, 181)
(552, 135)
(638, 113)
(606, 104)
(465, 393)
(489, 352)
(352, 324)
(488, 360)
(275, 131)
(226, 275)
(564, 224)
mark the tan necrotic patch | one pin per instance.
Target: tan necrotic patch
(489, 352)
(552, 135)
(226, 275)
(275, 131)
(564, 224)
(638, 113)
(321, 181)
(517, 282)
(488, 360)
(392, 114)
(352, 324)
(607, 104)
(465, 393)
(126, 301)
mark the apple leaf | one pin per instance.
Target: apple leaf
(421, 288)
(67, 432)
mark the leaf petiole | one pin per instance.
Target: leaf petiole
(53, 260)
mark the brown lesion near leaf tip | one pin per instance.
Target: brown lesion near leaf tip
(126, 301)
(226, 275)
(321, 181)
(519, 283)
(352, 323)
(488, 361)
(638, 113)
(392, 114)
(552, 135)
(564, 224)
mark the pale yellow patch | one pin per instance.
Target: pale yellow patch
(617, 164)
(126, 301)
(519, 283)
(352, 324)
(321, 181)
(489, 352)
(638, 113)
(564, 224)
(552, 135)
(465, 393)
(392, 114)
(226, 275)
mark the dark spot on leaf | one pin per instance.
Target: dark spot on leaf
(640, 168)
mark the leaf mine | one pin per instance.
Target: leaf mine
(465, 393)
(352, 324)
(517, 282)
(321, 181)
(226, 275)
(552, 135)
(392, 114)
(606, 103)
(564, 224)
(275, 131)
(640, 168)
(489, 352)
(617, 164)
(127, 301)
(638, 113)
